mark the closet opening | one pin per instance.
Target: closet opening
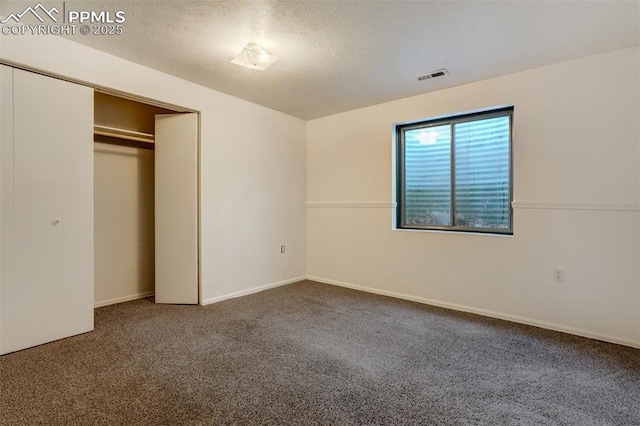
(127, 170)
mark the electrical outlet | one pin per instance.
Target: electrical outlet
(558, 275)
(282, 249)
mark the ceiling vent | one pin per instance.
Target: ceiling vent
(434, 74)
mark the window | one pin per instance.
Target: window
(455, 173)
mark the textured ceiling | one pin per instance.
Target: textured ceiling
(337, 56)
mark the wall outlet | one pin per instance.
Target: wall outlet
(558, 275)
(282, 249)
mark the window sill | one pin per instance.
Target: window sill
(436, 231)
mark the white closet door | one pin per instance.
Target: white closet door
(176, 210)
(6, 179)
(48, 294)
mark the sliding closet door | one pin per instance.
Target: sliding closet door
(48, 294)
(176, 211)
(6, 181)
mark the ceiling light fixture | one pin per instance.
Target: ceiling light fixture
(255, 57)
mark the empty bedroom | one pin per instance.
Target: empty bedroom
(319, 212)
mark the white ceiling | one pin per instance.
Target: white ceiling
(341, 55)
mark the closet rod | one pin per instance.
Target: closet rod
(122, 133)
(121, 141)
(121, 136)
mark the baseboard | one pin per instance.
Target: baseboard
(484, 312)
(123, 299)
(251, 290)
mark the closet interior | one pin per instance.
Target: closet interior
(124, 237)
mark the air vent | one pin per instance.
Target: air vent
(434, 74)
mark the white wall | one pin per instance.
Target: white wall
(123, 209)
(252, 183)
(575, 186)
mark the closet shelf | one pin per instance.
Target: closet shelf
(131, 135)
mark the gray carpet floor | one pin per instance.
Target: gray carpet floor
(314, 354)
